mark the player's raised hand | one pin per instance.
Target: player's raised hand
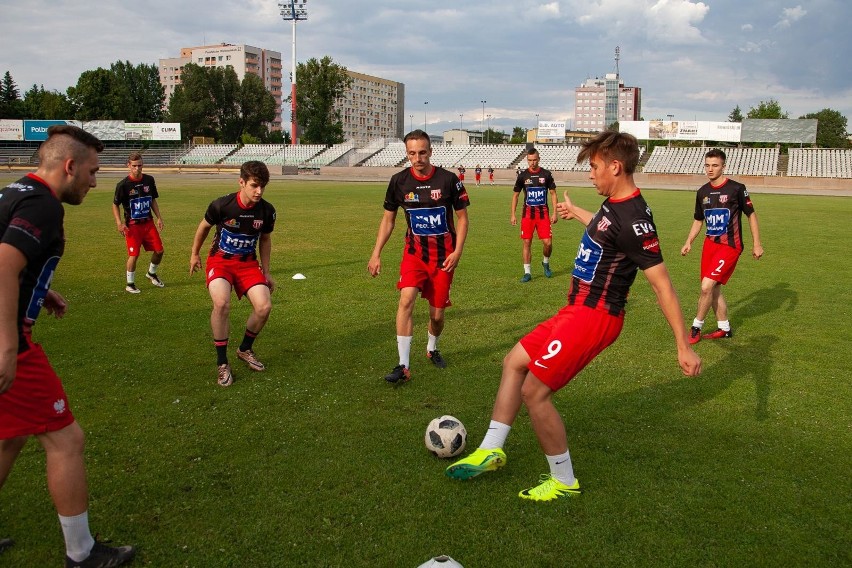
(565, 208)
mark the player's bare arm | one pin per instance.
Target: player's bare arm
(567, 210)
(661, 283)
(55, 304)
(156, 209)
(119, 222)
(12, 262)
(512, 218)
(690, 238)
(264, 249)
(374, 266)
(195, 256)
(757, 248)
(554, 217)
(453, 258)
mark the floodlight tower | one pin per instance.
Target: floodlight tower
(293, 10)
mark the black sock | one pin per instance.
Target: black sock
(221, 351)
(248, 340)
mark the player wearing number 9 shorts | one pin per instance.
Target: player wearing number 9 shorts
(619, 240)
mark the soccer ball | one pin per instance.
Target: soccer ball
(442, 561)
(445, 436)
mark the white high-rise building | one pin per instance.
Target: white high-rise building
(372, 108)
(598, 103)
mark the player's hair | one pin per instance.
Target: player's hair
(417, 135)
(67, 141)
(716, 153)
(532, 152)
(256, 170)
(133, 157)
(610, 145)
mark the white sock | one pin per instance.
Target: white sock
(527, 268)
(152, 269)
(403, 345)
(78, 538)
(561, 468)
(432, 343)
(698, 323)
(496, 435)
(724, 325)
(131, 277)
(545, 260)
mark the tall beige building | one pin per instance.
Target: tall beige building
(372, 108)
(600, 102)
(243, 59)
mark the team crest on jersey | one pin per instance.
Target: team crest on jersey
(435, 194)
(59, 406)
(604, 224)
(258, 223)
(541, 181)
(231, 223)
(412, 197)
(723, 199)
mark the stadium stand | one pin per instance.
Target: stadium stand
(18, 155)
(161, 156)
(329, 155)
(496, 155)
(207, 154)
(391, 155)
(295, 155)
(259, 152)
(820, 162)
(690, 160)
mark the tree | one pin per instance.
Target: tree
(519, 135)
(831, 129)
(491, 136)
(320, 84)
(191, 103)
(257, 106)
(46, 105)
(767, 109)
(736, 115)
(10, 98)
(139, 91)
(95, 96)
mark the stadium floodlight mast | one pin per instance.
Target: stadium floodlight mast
(410, 122)
(424, 115)
(461, 124)
(293, 10)
(482, 124)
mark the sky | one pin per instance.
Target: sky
(693, 60)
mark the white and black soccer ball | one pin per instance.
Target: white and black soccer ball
(442, 561)
(446, 436)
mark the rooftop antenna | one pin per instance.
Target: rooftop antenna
(617, 57)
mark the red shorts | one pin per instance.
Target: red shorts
(434, 283)
(541, 226)
(562, 346)
(478, 177)
(718, 261)
(491, 177)
(36, 403)
(241, 275)
(141, 235)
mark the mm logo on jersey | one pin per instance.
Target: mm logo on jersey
(588, 257)
(429, 221)
(140, 207)
(717, 221)
(536, 196)
(234, 243)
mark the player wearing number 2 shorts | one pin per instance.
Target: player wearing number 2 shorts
(619, 240)
(720, 203)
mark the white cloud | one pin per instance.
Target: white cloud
(746, 27)
(665, 21)
(755, 47)
(790, 15)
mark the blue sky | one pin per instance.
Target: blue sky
(694, 60)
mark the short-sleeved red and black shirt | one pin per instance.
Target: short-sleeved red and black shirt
(238, 226)
(620, 239)
(536, 186)
(428, 203)
(31, 220)
(721, 209)
(135, 197)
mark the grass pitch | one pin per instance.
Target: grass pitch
(319, 462)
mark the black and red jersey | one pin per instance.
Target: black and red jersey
(536, 186)
(135, 196)
(428, 203)
(721, 208)
(238, 226)
(31, 220)
(620, 239)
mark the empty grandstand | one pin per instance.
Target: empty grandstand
(690, 160)
(391, 155)
(295, 155)
(208, 154)
(820, 162)
(330, 155)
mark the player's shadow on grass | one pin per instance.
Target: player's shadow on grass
(764, 301)
(743, 361)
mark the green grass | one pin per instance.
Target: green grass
(318, 462)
